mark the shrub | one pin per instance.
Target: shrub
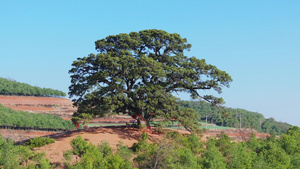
(123, 151)
(68, 155)
(142, 144)
(79, 145)
(39, 142)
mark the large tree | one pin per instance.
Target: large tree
(138, 73)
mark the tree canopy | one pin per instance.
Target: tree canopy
(137, 73)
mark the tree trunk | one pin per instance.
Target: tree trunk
(148, 122)
(138, 122)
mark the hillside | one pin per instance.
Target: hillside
(139, 149)
(45, 105)
(230, 117)
(113, 135)
(227, 117)
(12, 87)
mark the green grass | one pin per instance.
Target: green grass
(215, 127)
(104, 124)
(174, 123)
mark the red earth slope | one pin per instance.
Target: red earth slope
(47, 105)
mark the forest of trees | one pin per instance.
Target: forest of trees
(229, 117)
(173, 151)
(11, 87)
(10, 117)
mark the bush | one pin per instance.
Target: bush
(68, 155)
(79, 145)
(123, 151)
(101, 156)
(39, 142)
(142, 144)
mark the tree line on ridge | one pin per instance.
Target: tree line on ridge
(11, 87)
(230, 117)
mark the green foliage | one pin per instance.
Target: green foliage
(79, 145)
(105, 149)
(175, 151)
(290, 142)
(116, 162)
(190, 142)
(84, 118)
(178, 151)
(212, 157)
(239, 156)
(39, 142)
(275, 156)
(45, 164)
(229, 117)
(123, 151)
(193, 143)
(15, 118)
(100, 156)
(137, 73)
(253, 143)
(8, 154)
(152, 156)
(273, 127)
(11, 87)
(15, 157)
(223, 142)
(68, 155)
(295, 160)
(142, 144)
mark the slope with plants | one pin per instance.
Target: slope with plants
(230, 117)
(17, 157)
(62, 107)
(189, 152)
(10, 117)
(11, 87)
(171, 150)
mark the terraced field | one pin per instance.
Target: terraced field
(47, 105)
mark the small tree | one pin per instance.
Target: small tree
(137, 73)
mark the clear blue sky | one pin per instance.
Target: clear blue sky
(257, 42)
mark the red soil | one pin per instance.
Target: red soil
(46, 105)
(54, 152)
(29, 108)
(34, 100)
(113, 136)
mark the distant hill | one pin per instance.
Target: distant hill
(12, 87)
(229, 117)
